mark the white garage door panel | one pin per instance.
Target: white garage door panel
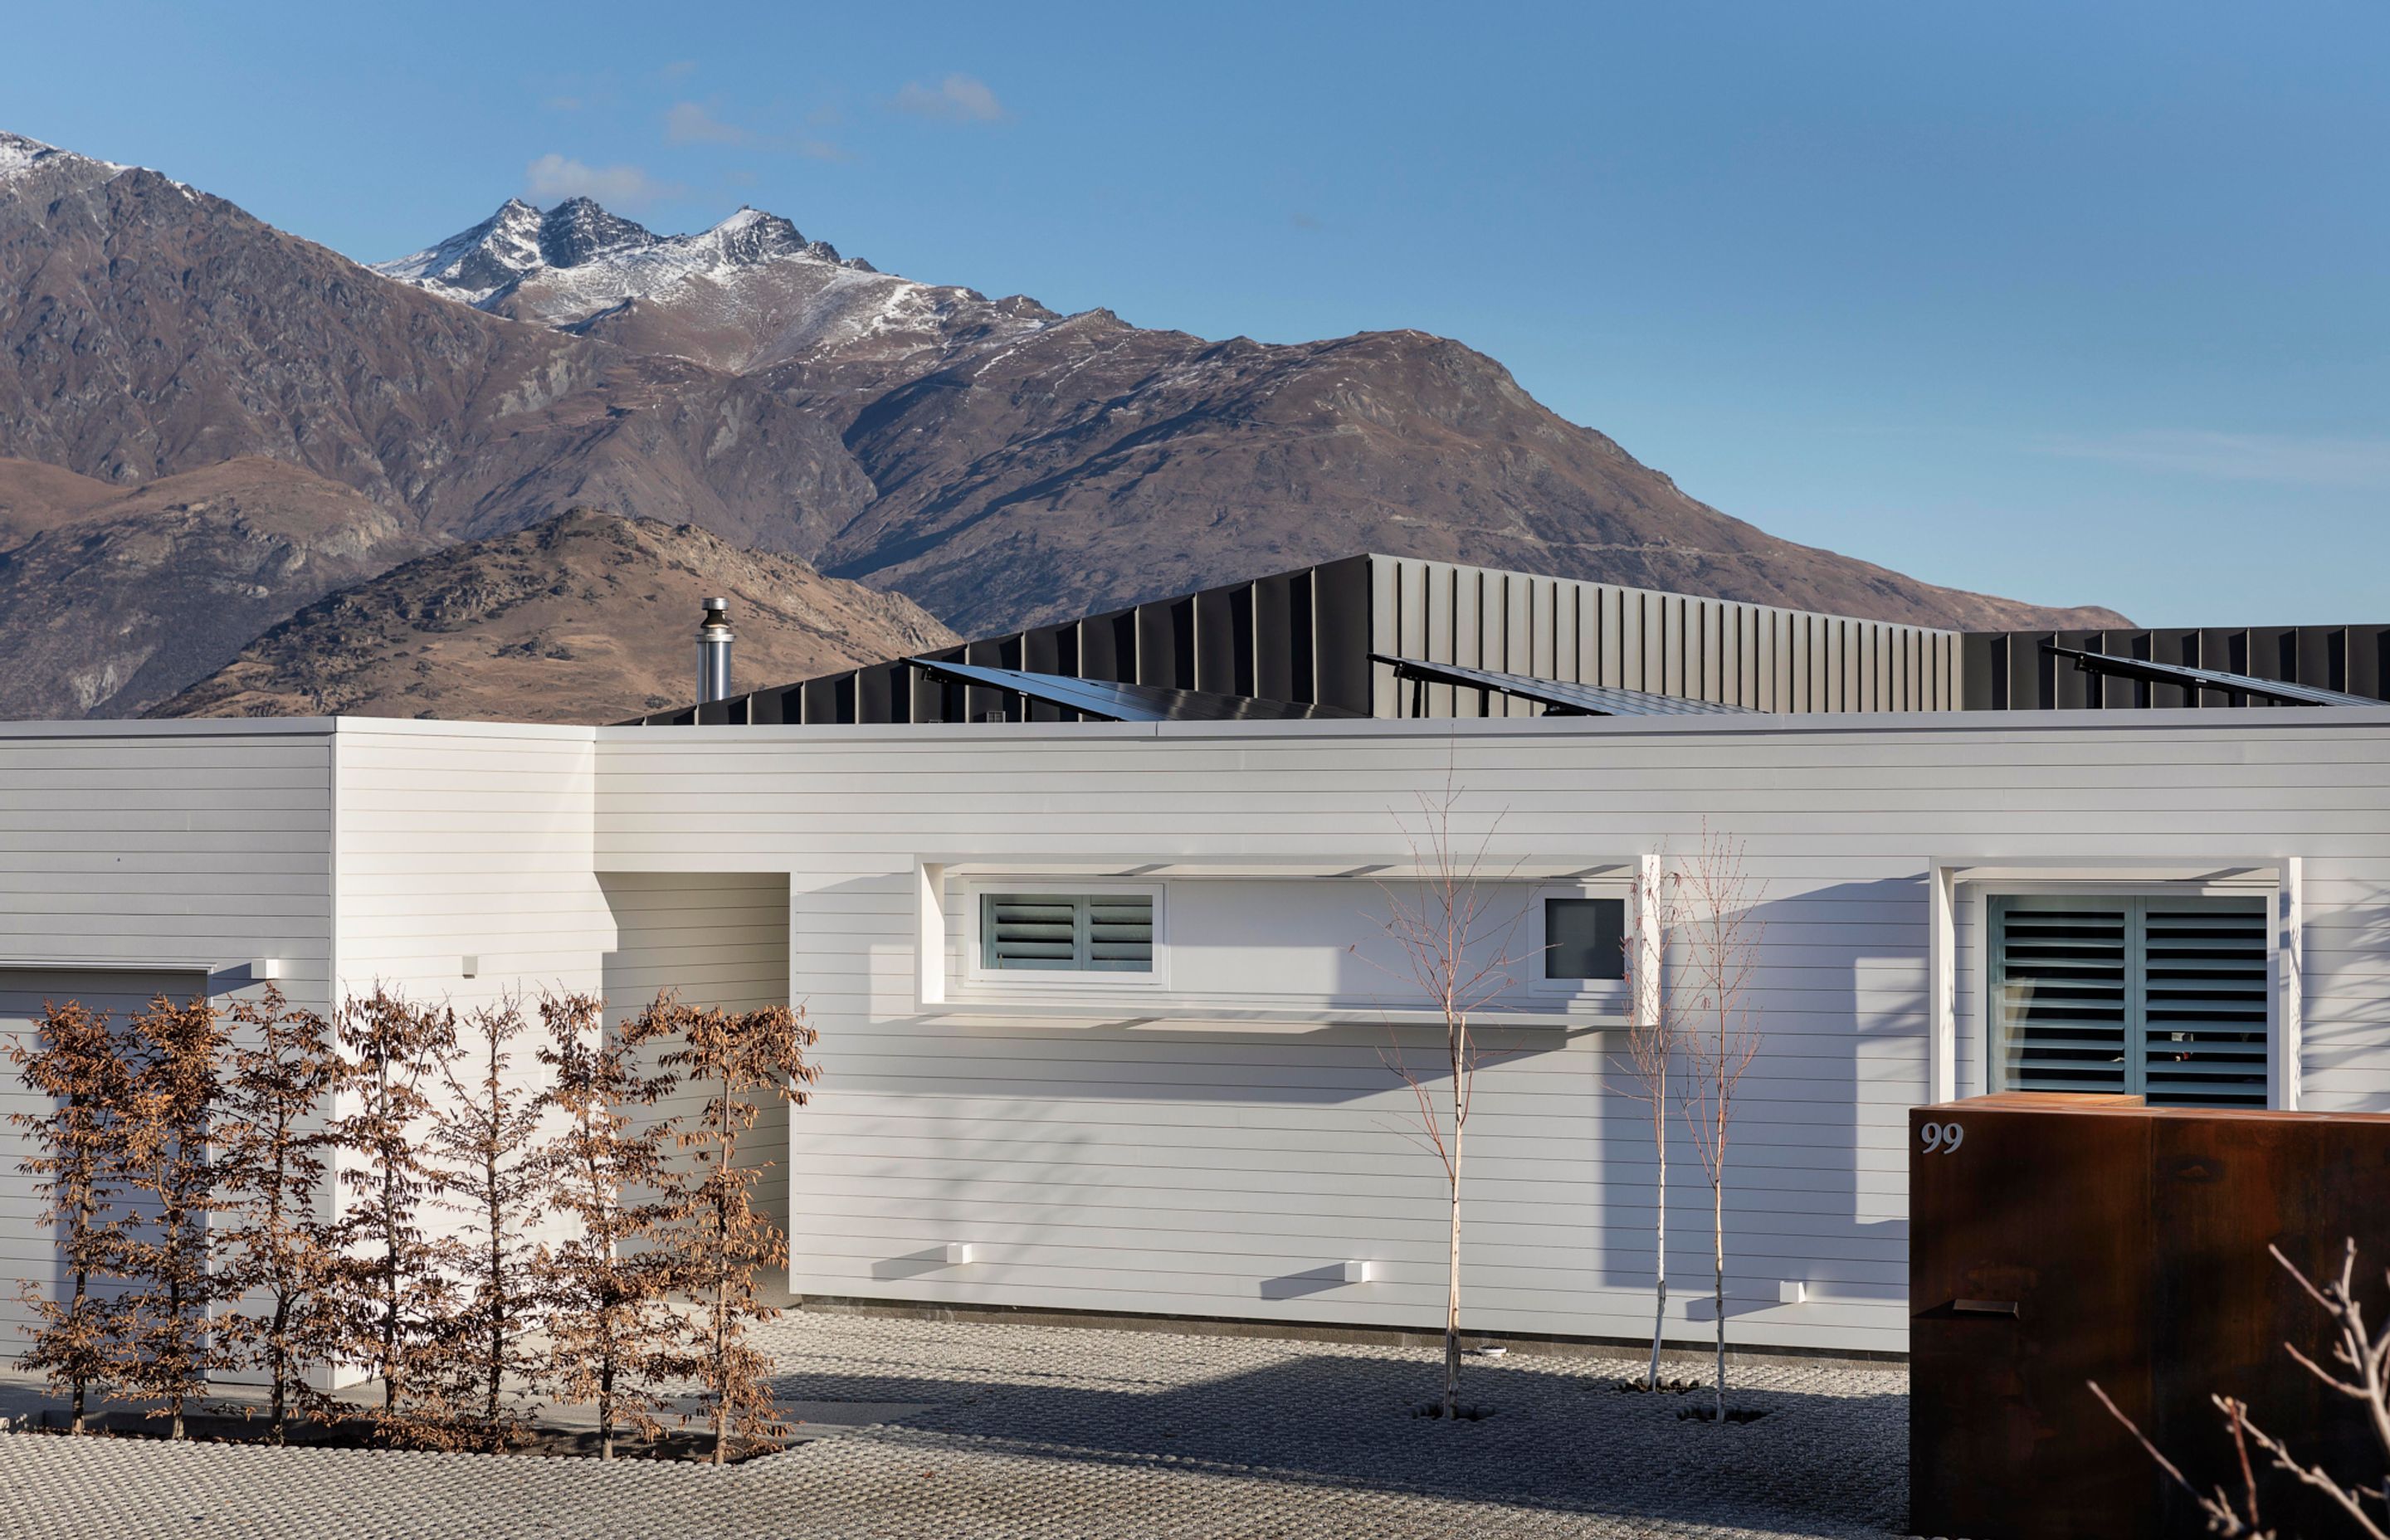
(25, 1248)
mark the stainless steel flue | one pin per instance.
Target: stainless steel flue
(714, 652)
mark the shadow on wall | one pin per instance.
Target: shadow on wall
(1844, 1010)
(2341, 1027)
(1560, 1439)
(1056, 1131)
(717, 939)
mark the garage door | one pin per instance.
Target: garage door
(27, 1251)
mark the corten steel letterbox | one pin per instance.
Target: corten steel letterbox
(2056, 1240)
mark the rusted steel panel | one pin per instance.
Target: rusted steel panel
(2132, 1244)
(2226, 1187)
(2027, 1261)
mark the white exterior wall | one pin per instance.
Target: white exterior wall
(1178, 1166)
(467, 840)
(136, 857)
(713, 939)
(1196, 1170)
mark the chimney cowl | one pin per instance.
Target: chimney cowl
(713, 639)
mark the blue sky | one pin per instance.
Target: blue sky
(2077, 303)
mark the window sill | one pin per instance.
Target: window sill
(969, 1013)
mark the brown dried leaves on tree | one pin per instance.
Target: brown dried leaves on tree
(483, 1141)
(392, 1292)
(730, 1060)
(164, 1344)
(273, 1240)
(77, 1063)
(612, 1332)
(276, 1232)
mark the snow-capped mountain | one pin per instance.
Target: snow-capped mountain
(20, 156)
(189, 392)
(482, 266)
(746, 294)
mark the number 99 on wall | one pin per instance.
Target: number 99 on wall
(1940, 1138)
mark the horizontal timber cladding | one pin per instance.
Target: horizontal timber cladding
(1186, 1167)
(141, 858)
(712, 940)
(31, 1260)
(2010, 671)
(1306, 637)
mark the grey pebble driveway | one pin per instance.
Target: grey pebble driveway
(1048, 1432)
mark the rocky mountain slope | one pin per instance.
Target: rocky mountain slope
(589, 617)
(149, 329)
(112, 598)
(995, 461)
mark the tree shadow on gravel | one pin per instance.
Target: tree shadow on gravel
(1559, 1438)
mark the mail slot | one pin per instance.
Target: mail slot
(2056, 1240)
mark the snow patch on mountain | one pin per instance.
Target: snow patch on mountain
(747, 293)
(20, 155)
(585, 260)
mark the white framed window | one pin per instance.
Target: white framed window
(1576, 941)
(2160, 996)
(1048, 932)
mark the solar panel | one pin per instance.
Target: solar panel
(1117, 702)
(2207, 678)
(1561, 696)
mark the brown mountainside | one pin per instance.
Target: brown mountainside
(589, 617)
(151, 329)
(995, 461)
(112, 598)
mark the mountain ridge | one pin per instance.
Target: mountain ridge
(1001, 463)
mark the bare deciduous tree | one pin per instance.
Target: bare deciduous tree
(165, 1345)
(1452, 933)
(1717, 1035)
(611, 1328)
(275, 1247)
(484, 1138)
(78, 1063)
(1648, 1060)
(732, 1058)
(392, 1284)
(2363, 1354)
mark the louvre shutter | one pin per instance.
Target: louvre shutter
(2163, 999)
(1120, 933)
(2062, 993)
(2205, 990)
(1031, 930)
(1068, 932)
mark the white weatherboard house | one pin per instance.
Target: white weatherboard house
(1098, 999)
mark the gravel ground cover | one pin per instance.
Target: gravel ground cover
(1005, 1430)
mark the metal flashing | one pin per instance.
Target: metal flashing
(1559, 697)
(1112, 701)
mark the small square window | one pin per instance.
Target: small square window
(1585, 938)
